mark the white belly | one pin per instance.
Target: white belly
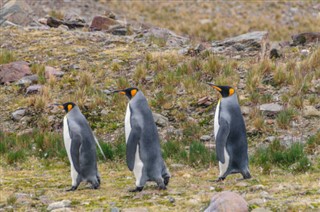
(224, 166)
(67, 144)
(127, 125)
(138, 165)
(216, 120)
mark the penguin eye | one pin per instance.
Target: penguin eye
(133, 92)
(231, 91)
(69, 107)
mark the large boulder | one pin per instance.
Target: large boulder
(102, 23)
(16, 12)
(305, 38)
(14, 71)
(249, 44)
(227, 201)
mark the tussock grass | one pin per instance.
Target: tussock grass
(39, 69)
(293, 158)
(285, 117)
(6, 56)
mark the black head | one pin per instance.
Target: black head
(129, 92)
(225, 91)
(66, 106)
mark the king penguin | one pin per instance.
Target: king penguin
(80, 144)
(143, 151)
(230, 135)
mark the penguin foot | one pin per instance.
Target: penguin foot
(166, 180)
(73, 188)
(220, 179)
(137, 189)
(162, 187)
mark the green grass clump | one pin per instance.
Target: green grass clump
(293, 158)
(6, 56)
(313, 143)
(200, 155)
(15, 156)
(174, 150)
(284, 117)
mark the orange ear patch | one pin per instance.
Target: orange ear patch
(231, 91)
(133, 92)
(69, 107)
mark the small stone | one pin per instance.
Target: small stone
(199, 48)
(310, 111)
(171, 199)
(227, 201)
(18, 114)
(183, 51)
(256, 201)
(62, 210)
(43, 21)
(242, 184)
(205, 138)
(134, 210)
(270, 138)
(160, 120)
(50, 71)
(305, 52)
(271, 107)
(261, 210)
(57, 205)
(177, 165)
(115, 210)
(117, 61)
(34, 89)
(27, 80)
(186, 175)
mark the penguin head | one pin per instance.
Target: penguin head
(225, 91)
(66, 106)
(129, 92)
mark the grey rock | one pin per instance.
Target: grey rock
(18, 114)
(171, 199)
(117, 30)
(62, 210)
(34, 89)
(305, 38)
(115, 210)
(261, 210)
(27, 80)
(183, 51)
(256, 201)
(227, 201)
(57, 205)
(45, 199)
(205, 138)
(249, 44)
(271, 138)
(102, 210)
(170, 38)
(199, 48)
(50, 71)
(16, 12)
(257, 187)
(117, 61)
(271, 107)
(134, 210)
(102, 23)
(177, 165)
(305, 52)
(160, 120)
(310, 111)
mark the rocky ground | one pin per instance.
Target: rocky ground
(70, 56)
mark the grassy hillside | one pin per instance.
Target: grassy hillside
(283, 147)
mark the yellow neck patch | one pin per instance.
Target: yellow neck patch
(133, 92)
(231, 91)
(69, 107)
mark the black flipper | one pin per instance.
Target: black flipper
(221, 139)
(75, 150)
(132, 146)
